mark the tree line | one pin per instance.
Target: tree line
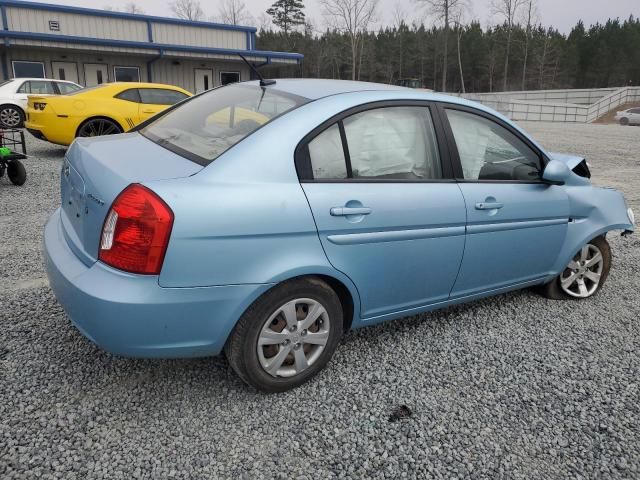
(603, 55)
(453, 54)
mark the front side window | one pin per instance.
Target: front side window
(489, 151)
(204, 127)
(160, 96)
(391, 143)
(126, 74)
(67, 87)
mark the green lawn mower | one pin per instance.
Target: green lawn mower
(12, 150)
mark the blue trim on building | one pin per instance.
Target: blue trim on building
(150, 66)
(3, 12)
(7, 34)
(129, 16)
(5, 66)
(150, 30)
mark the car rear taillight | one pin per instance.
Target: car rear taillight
(39, 105)
(136, 231)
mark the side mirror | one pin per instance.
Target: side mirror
(556, 173)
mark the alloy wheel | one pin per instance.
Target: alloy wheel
(582, 276)
(10, 117)
(293, 337)
(98, 127)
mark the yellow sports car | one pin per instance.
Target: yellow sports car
(103, 110)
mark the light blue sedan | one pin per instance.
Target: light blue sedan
(266, 220)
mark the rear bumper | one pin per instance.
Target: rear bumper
(50, 127)
(37, 133)
(132, 315)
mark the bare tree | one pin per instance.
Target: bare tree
(444, 10)
(131, 7)
(530, 13)
(234, 12)
(508, 10)
(187, 9)
(458, 23)
(352, 17)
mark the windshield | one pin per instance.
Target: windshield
(205, 127)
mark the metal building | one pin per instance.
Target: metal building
(90, 47)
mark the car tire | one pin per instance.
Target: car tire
(16, 172)
(266, 337)
(97, 127)
(624, 121)
(11, 116)
(567, 285)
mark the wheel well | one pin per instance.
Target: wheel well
(17, 107)
(99, 117)
(345, 298)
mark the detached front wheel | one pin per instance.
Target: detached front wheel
(287, 336)
(584, 275)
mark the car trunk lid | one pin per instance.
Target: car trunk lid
(96, 170)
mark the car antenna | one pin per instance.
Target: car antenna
(263, 82)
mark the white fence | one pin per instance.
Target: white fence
(567, 106)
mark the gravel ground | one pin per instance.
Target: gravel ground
(510, 387)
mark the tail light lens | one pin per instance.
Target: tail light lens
(39, 106)
(136, 231)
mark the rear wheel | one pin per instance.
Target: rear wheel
(16, 172)
(287, 336)
(11, 116)
(624, 121)
(97, 127)
(584, 275)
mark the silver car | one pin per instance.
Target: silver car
(629, 117)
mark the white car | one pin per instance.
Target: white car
(14, 95)
(629, 117)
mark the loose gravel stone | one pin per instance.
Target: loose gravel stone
(514, 386)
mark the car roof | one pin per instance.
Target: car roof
(315, 88)
(22, 79)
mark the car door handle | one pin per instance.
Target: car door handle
(489, 205)
(344, 211)
(148, 111)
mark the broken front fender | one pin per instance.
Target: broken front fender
(594, 211)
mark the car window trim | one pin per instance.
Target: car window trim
(453, 147)
(302, 158)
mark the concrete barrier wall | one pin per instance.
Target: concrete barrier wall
(566, 106)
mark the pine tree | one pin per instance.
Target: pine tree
(287, 14)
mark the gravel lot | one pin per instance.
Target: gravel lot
(510, 387)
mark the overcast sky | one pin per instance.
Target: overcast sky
(562, 14)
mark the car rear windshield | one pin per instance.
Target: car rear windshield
(203, 128)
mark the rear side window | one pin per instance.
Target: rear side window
(130, 95)
(488, 151)
(390, 143)
(327, 156)
(159, 96)
(37, 87)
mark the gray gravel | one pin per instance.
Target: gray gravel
(510, 387)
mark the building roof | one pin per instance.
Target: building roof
(142, 43)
